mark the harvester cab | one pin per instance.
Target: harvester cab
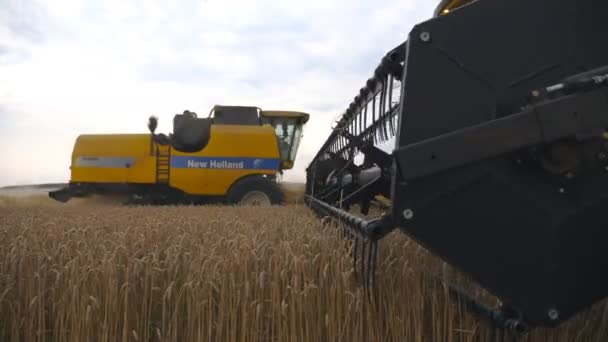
(288, 127)
(191, 133)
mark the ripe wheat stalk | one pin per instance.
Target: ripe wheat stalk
(101, 272)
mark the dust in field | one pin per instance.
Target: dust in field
(43, 200)
(104, 272)
(294, 192)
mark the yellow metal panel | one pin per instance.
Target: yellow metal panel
(232, 153)
(104, 159)
(226, 142)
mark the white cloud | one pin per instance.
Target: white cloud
(69, 67)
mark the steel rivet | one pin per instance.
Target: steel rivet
(601, 156)
(408, 214)
(562, 190)
(425, 36)
(553, 314)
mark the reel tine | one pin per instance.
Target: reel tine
(385, 127)
(354, 254)
(390, 105)
(374, 109)
(365, 118)
(363, 250)
(379, 130)
(393, 123)
(383, 104)
(375, 131)
(372, 263)
(387, 121)
(360, 121)
(367, 256)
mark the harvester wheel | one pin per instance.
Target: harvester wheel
(255, 191)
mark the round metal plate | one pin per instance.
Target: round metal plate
(255, 198)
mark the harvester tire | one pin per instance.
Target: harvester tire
(255, 191)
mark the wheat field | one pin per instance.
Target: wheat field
(92, 270)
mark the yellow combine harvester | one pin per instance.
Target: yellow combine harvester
(233, 156)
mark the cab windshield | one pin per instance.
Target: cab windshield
(288, 132)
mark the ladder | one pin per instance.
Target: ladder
(163, 163)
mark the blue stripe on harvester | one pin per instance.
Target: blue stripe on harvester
(230, 163)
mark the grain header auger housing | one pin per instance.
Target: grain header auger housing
(497, 112)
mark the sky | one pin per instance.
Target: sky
(70, 67)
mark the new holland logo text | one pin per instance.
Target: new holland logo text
(216, 164)
(225, 163)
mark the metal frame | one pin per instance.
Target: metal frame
(500, 155)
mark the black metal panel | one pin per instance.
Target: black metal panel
(536, 241)
(502, 200)
(581, 114)
(519, 229)
(481, 62)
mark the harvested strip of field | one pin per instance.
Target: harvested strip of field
(93, 271)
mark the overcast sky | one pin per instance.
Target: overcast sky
(70, 67)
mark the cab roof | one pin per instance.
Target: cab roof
(285, 114)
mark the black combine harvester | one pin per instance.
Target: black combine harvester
(498, 110)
